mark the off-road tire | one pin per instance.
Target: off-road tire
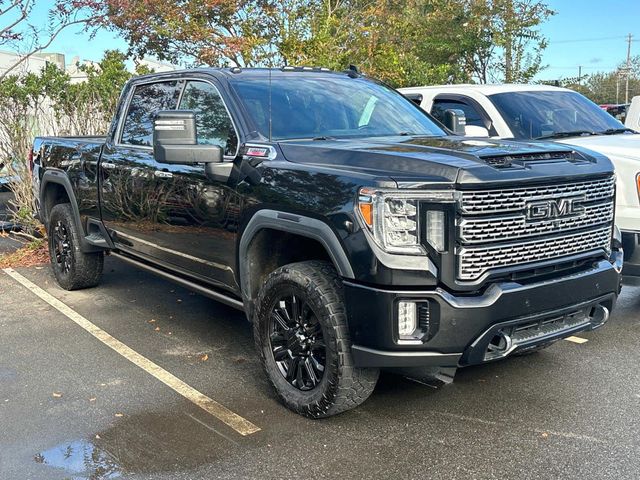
(84, 269)
(342, 386)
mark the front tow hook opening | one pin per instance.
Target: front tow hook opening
(599, 316)
(500, 346)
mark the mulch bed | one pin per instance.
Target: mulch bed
(30, 254)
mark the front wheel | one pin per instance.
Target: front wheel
(301, 334)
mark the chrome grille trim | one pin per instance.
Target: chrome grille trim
(475, 230)
(473, 262)
(514, 200)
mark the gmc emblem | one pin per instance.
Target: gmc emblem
(555, 209)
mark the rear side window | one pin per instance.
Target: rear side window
(146, 101)
(213, 124)
(471, 114)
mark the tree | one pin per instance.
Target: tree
(20, 33)
(47, 103)
(607, 87)
(508, 45)
(403, 42)
(212, 32)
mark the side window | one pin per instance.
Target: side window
(213, 124)
(145, 102)
(442, 105)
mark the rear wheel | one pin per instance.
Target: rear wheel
(72, 268)
(301, 334)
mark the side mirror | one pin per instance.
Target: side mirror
(475, 131)
(175, 140)
(414, 97)
(455, 120)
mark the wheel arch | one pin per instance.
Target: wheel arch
(314, 238)
(55, 188)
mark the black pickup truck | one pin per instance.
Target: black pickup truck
(355, 233)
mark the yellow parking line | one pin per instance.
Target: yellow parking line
(233, 420)
(577, 340)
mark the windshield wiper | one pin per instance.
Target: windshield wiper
(574, 133)
(613, 131)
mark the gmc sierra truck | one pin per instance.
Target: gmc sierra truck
(355, 233)
(530, 112)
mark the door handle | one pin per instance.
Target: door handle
(163, 174)
(108, 165)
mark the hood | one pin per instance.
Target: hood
(431, 160)
(621, 145)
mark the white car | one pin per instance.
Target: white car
(540, 112)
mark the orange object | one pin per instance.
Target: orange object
(366, 209)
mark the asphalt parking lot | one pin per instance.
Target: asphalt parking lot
(71, 407)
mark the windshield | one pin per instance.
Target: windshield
(532, 115)
(330, 106)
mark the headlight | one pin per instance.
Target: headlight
(393, 218)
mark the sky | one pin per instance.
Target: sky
(591, 34)
(587, 33)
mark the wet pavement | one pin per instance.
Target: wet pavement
(72, 408)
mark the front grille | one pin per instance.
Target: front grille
(479, 230)
(496, 228)
(515, 199)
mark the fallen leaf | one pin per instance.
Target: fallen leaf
(97, 437)
(204, 357)
(57, 395)
(545, 434)
(92, 399)
(153, 320)
(157, 329)
(119, 415)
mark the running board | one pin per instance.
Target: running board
(207, 292)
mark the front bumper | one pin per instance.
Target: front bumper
(464, 326)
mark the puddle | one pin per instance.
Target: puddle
(144, 443)
(81, 459)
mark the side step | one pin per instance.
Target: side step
(202, 290)
(96, 240)
(98, 236)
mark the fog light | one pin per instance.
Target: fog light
(435, 229)
(407, 318)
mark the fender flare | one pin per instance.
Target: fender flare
(291, 223)
(58, 177)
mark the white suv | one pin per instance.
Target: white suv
(537, 112)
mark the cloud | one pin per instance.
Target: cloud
(595, 60)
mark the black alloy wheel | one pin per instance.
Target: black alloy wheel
(297, 342)
(62, 247)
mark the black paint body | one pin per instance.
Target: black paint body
(178, 218)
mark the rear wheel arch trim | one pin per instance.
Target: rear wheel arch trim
(299, 225)
(60, 178)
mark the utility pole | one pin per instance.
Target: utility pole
(579, 74)
(628, 68)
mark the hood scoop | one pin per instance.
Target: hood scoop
(522, 160)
